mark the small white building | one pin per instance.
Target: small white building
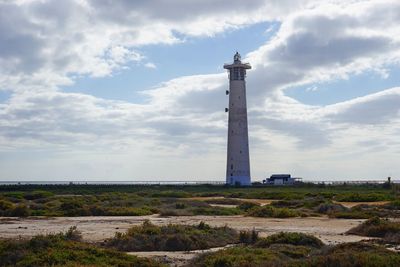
(281, 179)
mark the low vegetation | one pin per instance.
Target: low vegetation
(248, 237)
(179, 200)
(393, 205)
(283, 249)
(172, 237)
(296, 239)
(354, 254)
(296, 249)
(377, 227)
(64, 249)
(330, 208)
(240, 256)
(362, 197)
(272, 212)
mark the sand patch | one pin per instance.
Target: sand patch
(95, 229)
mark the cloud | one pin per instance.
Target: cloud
(375, 109)
(325, 43)
(150, 65)
(46, 44)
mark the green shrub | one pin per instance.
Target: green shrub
(350, 215)
(95, 210)
(37, 195)
(14, 195)
(171, 194)
(180, 206)
(73, 234)
(245, 206)
(240, 256)
(248, 237)
(215, 211)
(354, 255)
(146, 228)
(169, 212)
(178, 242)
(175, 212)
(287, 203)
(376, 227)
(118, 200)
(72, 208)
(56, 250)
(298, 239)
(20, 210)
(362, 197)
(5, 205)
(393, 205)
(271, 212)
(203, 226)
(149, 237)
(327, 208)
(292, 251)
(125, 211)
(344, 255)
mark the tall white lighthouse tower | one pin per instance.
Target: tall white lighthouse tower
(238, 161)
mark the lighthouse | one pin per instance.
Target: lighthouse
(238, 160)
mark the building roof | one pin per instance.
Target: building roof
(280, 176)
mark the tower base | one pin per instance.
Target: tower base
(238, 180)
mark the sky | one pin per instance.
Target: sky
(99, 90)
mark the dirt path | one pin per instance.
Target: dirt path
(96, 229)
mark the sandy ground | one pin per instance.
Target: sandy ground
(96, 229)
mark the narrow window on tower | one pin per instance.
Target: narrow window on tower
(236, 74)
(242, 74)
(231, 166)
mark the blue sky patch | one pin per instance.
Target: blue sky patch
(336, 91)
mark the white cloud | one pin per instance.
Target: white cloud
(43, 44)
(57, 39)
(150, 65)
(375, 109)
